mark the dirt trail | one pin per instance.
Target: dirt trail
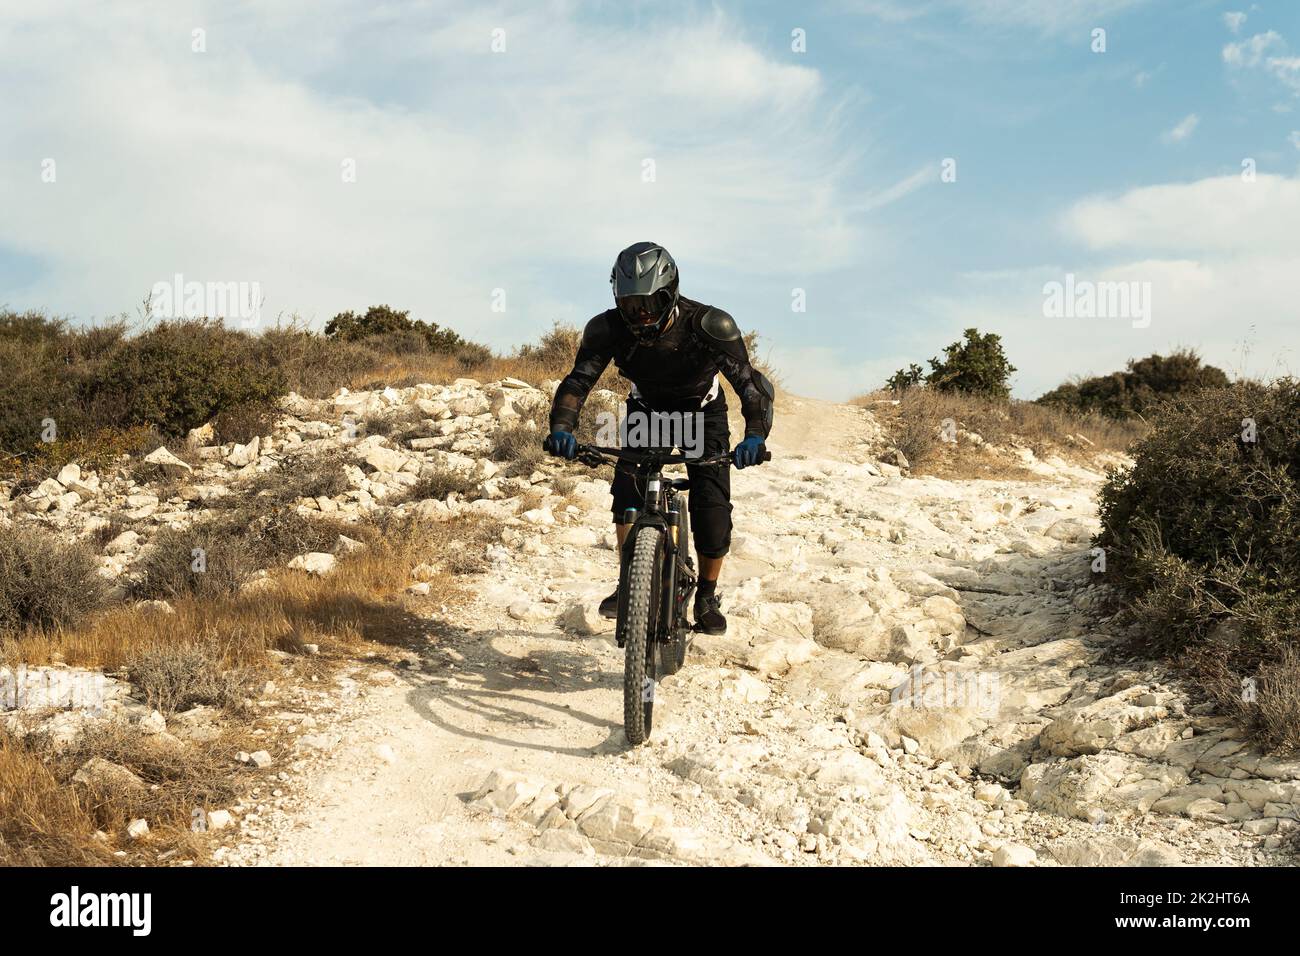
(778, 743)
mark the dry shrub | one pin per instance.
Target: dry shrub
(1266, 703)
(914, 420)
(1200, 536)
(517, 442)
(218, 555)
(208, 559)
(240, 424)
(440, 482)
(397, 425)
(301, 475)
(182, 676)
(45, 582)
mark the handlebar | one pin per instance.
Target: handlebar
(596, 455)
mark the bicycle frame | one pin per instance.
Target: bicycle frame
(656, 578)
(660, 509)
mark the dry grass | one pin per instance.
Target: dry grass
(355, 603)
(1271, 708)
(914, 420)
(211, 650)
(47, 819)
(43, 822)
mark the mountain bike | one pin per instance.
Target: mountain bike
(656, 577)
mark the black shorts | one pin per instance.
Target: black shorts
(710, 495)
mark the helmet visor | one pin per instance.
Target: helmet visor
(645, 311)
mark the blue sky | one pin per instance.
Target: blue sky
(774, 170)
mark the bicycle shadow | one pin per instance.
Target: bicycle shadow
(495, 689)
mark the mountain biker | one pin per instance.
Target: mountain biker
(672, 349)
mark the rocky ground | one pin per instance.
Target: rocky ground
(916, 672)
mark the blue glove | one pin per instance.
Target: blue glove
(561, 444)
(749, 452)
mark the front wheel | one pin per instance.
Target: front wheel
(642, 607)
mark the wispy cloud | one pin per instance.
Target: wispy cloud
(924, 176)
(1182, 130)
(1265, 52)
(1234, 20)
(474, 170)
(1038, 16)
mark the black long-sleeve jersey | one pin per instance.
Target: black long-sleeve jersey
(674, 372)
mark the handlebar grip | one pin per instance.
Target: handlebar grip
(767, 456)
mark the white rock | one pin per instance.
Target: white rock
(260, 759)
(777, 657)
(169, 463)
(539, 516)
(103, 774)
(529, 611)
(124, 543)
(137, 829)
(745, 687)
(315, 562)
(1015, 855)
(564, 841)
(346, 545)
(583, 618)
(384, 459)
(242, 455)
(201, 436)
(153, 723)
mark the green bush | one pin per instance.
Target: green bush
(905, 378)
(1201, 535)
(974, 365)
(45, 582)
(178, 375)
(382, 321)
(1135, 391)
(50, 372)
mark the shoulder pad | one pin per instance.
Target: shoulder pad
(599, 334)
(719, 325)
